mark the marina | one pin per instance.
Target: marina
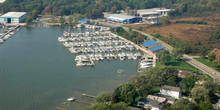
(7, 33)
(38, 73)
(98, 46)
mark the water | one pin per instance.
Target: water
(38, 73)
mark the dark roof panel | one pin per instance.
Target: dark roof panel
(156, 48)
(149, 43)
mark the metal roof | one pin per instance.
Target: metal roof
(156, 48)
(14, 14)
(171, 88)
(121, 16)
(149, 43)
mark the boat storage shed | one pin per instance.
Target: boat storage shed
(150, 43)
(152, 46)
(124, 18)
(156, 49)
(13, 17)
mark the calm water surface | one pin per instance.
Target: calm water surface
(38, 73)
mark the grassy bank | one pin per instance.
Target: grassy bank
(208, 63)
(180, 65)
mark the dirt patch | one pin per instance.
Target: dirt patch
(212, 20)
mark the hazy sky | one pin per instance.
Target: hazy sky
(2, 1)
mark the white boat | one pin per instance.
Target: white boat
(71, 99)
(1, 41)
(122, 58)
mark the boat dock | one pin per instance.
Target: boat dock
(8, 33)
(98, 46)
(88, 96)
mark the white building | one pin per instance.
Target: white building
(13, 17)
(172, 91)
(153, 13)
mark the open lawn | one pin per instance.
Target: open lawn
(208, 63)
(180, 65)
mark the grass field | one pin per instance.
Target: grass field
(180, 65)
(208, 63)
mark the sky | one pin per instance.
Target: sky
(2, 1)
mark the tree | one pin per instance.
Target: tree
(188, 83)
(62, 20)
(164, 57)
(200, 94)
(183, 104)
(205, 106)
(70, 19)
(112, 106)
(104, 97)
(120, 106)
(98, 106)
(164, 20)
(114, 9)
(177, 53)
(211, 56)
(125, 93)
(149, 81)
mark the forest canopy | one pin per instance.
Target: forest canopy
(94, 8)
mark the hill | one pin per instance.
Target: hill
(94, 8)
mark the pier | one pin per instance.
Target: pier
(89, 96)
(8, 33)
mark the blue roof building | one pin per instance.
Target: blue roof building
(149, 43)
(156, 48)
(124, 18)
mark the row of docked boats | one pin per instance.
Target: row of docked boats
(89, 26)
(98, 46)
(7, 34)
(87, 60)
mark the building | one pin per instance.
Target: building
(150, 104)
(127, 19)
(152, 46)
(13, 17)
(171, 91)
(153, 13)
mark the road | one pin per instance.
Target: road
(189, 59)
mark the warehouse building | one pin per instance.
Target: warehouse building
(153, 12)
(127, 19)
(13, 17)
(152, 46)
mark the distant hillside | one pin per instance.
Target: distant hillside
(94, 8)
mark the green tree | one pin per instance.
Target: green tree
(164, 57)
(188, 83)
(177, 53)
(70, 19)
(120, 106)
(104, 97)
(98, 106)
(125, 93)
(200, 94)
(62, 20)
(183, 104)
(164, 20)
(205, 106)
(211, 56)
